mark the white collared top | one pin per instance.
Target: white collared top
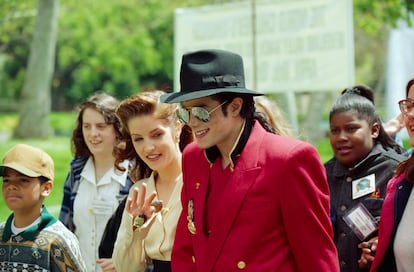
(94, 204)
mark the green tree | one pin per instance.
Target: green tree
(373, 20)
(126, 46)
(121, 47)
(16, 22)
(34, 106)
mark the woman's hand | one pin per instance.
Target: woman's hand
(138, 206)
(393, 126)
(368, 252)
(106, 265)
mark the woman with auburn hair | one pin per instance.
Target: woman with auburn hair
(152, 132)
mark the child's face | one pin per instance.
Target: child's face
(21, 193)
(351, 138)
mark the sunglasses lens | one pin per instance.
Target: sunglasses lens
(183, 115)
(200, 113)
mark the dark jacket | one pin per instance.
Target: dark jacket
(106, 247)
(380, 162)
(398, 192)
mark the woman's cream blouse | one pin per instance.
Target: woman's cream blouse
(134, 249)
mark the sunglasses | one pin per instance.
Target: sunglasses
(406, 105)
(198, 112)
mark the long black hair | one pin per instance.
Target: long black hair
(248, 110)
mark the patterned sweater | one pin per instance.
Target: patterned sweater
(48, 246)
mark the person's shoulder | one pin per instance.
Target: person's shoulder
(284, 148)
(279, 142)
(394, 182)
(330, 163)
(391, 155)
(408, 153)
(58, 227)
(147, 180)
(78, 161)
(192, 148)
(2, 226)
(60, 233)
(61, 239)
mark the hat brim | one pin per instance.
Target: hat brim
(21, 169)
(178, 97)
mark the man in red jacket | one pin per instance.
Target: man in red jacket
(252, 200)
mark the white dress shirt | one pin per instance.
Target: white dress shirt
(94, 204)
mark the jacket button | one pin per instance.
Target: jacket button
(241, 265)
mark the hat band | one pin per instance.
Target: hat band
(221, 81)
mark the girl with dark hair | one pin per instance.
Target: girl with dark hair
(154, 140)
(393, 126)
(364, 160)
(93, 187)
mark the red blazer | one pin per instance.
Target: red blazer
(274, 216)
(398, 192)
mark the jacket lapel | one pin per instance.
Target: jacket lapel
(244, 176)
(402, 193)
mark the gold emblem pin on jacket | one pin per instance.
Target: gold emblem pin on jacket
(190, 217)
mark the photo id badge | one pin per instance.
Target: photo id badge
(363, 186)
(360, 220)
(100, 207)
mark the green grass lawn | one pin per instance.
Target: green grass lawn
(59, 149)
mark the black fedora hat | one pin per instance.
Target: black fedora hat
(208, 72)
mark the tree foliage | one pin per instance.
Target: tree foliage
(375, 16)
(373, 20)
(16, 25)
(121, 47)
(126, 46)
(109, 47)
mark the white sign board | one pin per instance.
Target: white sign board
(286, 45)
